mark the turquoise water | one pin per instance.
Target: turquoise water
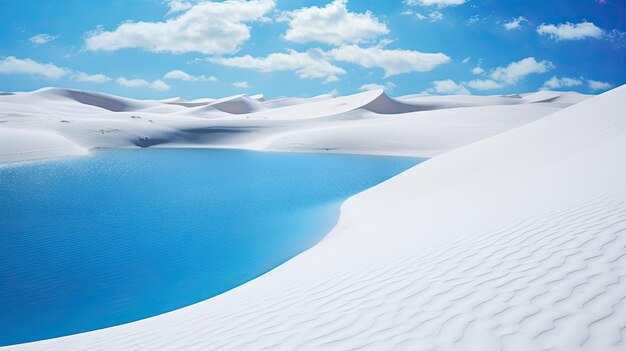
(92, 242)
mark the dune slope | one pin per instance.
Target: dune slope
(29, 145)
(515, 242)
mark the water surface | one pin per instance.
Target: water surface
(121, 235)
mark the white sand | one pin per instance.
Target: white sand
(31, 144)
(368, 122)
(513, 242)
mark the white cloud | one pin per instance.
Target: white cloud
(570, 31)
(332, 24)
(484, 84)
(568, 82)
(241, 85)
(597, 85)
(515, 23)
(374, 86)
(140, 83)
(333, 92)
(316, 63)
(477, 70)
(184, 76)
(517, 71)
(616, 37)
(311, 64)
(13, 65)
(440, 3)
(466, 60)
(565, 82)
(509, 75)
(433, 16)
(474, 19)
(178, 6)
(90, 78)
(42, 38)
(131, 83)
(160, 85)
(448, 87)
(393, 62)
(208, 28)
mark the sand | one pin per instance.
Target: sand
(368, 122)
(512, 237)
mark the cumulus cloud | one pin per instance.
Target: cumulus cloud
(131, 83)
(393, 62)
(316, 63)
(448, 87)
(90, 78)
(597, 85)
(13, 65)
(484, 84)
(178, 6)
(503, 76)
(564, 82)
(184, 76)
(311, 64)
(141, 83)
(208, 28)
(515, 23)
(440, 3)
(332, 24)
(519, 70)
(42, 38)
(568, 82)
(159, 85)
(374, 86)
(241, 85)
(570, 31)
(477, 70)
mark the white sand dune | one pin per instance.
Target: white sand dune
(369, 122)
(29, 145)
(103, 101)
(425, 133)
(239, 104)
(512, 238)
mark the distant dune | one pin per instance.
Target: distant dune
(368, 122)
(511, 237)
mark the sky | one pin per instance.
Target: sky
(154, 49)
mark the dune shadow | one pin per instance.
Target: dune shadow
(212, 134)
(204, 135)
(97, 100)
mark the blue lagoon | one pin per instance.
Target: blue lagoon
(87, 243)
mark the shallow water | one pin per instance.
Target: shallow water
(121, 235)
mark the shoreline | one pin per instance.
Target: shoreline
(4, 163)
(324, 214)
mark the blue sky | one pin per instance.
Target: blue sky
(159, 49)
